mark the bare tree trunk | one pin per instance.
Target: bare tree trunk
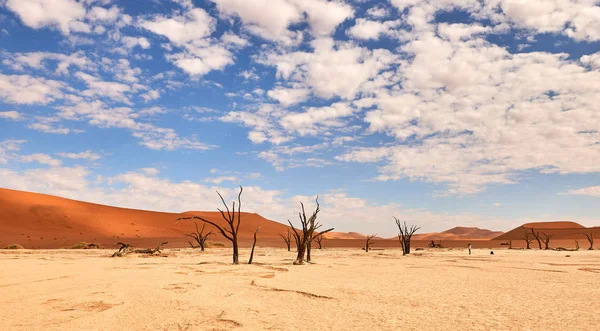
(405, 234)
(527, 239)
(546, 239)
(231, 232)
(287, 239)
(253, 245)
(305, 236)
(590, 239)
(368, 242)
(536, 235)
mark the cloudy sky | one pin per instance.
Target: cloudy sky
(442, 113)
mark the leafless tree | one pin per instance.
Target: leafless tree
(510, 244)
(576, 244)
(432, 244)
(546, 239)
(253, 245)
(304, 235)
(230, 233)
(199, 237)
(527, 239)
(319, 239)
(405, 234)
(287, 239)
(368, 242)
(536, 235)
(590, 239)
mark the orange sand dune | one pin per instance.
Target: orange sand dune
(559, 231)
(43, 221)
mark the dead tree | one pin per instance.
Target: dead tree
(576, 245)
(304, 235)
(230, 233)
(405, 234)
(150, 250)
(319, 240)
(124, 249)
(537, 237)
(287, 239)
(253, 245)
(368, 243)
(546, 239)
(527, 239)
(590, 239)
(199, 236)
(510, 244)
(432, 244)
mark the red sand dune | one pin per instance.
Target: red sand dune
(43, 221)
(559, 230)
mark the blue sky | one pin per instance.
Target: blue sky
(443, 113)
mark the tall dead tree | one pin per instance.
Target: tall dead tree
(287, 239)
(537, 237)
(231, 232)
(199, 237)
(304, 235)
(405, 234)
(527, 239)
(590, 239)
(253, 245)
(368, 242)
(546, 239)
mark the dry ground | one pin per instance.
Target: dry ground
(345, 289)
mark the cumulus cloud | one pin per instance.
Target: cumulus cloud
(63, 14)
(25, 89)
(85, 155)
(11, 115)
(592, 191)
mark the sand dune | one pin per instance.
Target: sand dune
(43, 221)
(559, 231)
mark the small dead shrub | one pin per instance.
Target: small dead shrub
(14, 246)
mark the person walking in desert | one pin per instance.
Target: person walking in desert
(469, 248)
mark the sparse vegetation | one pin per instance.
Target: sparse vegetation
(253, 245)
(199, 237)
(527, 239)
(305, 234)
(368, 242)
(545, 238)
(590, 239)
(230, 233)
(287, 239)
(84, 245)
(405, 234)
(14, 246)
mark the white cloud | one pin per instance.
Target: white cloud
(592, 191)
(41, 159)
(317, 120)
(221, 179)
(151, 95)
(194, 25)
(99, 87)
(367, 29)
(64, 14)
(11, 115)
(39, 61)
(25, 89)
(131, 42)
(86, 155)
(378, 12)
(289, 96)
(333, 69)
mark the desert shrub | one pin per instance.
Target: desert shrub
(14, 246)
(79, 245)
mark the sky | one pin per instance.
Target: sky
(441, 113)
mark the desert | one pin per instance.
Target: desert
(56, 284)
(344, 289)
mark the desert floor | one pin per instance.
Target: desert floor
(344, 289)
